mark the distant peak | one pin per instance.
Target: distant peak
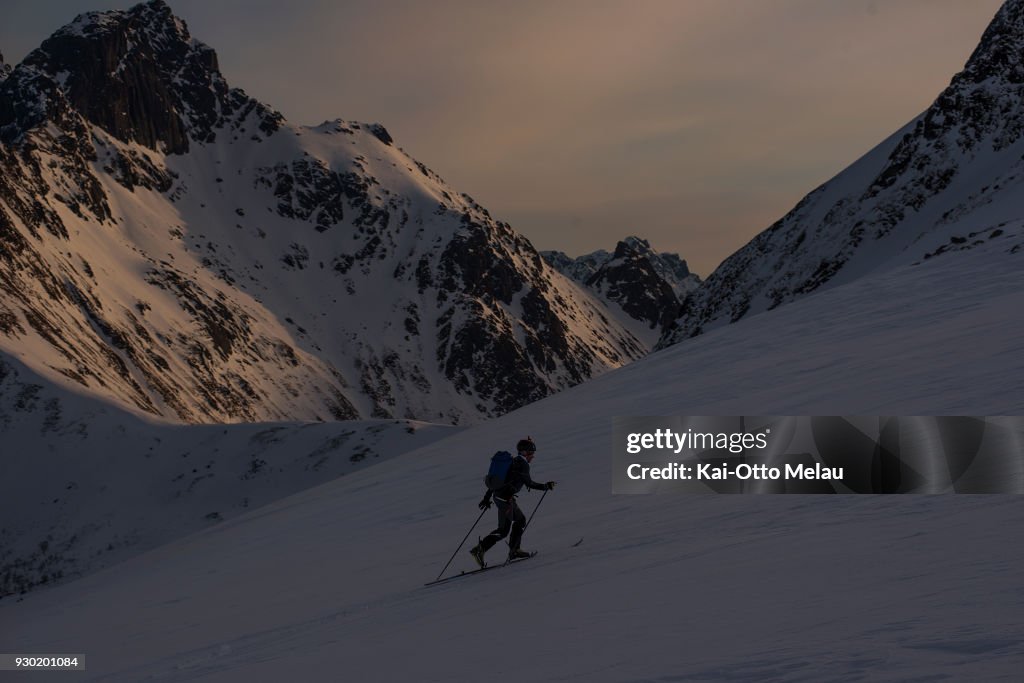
(633, 246)
(637, 242)
(627, 249)
(157, 5)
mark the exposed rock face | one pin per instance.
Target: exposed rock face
(136, 74)
(645, 284)
(948, 177)
(580, 268)
(630, 279)
(172, 244)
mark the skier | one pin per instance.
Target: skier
(509, 514)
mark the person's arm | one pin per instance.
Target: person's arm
(485, 502)
(531, 484)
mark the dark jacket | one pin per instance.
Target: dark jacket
(518, 476)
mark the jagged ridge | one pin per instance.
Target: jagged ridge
(948, 177)
(172, 243)
(644, 284)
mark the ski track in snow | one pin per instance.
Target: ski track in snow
(327, 584)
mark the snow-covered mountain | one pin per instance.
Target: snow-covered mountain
(168, 242)
(579, 268)
(639, 284)
(5, 68)
(327, 584)
(949, 180)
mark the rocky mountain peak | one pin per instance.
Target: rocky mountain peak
(153, 19)
(630, 279)
(632, 244)
(579, 268)
(328, 275)
(4, 67)
(646, 285)
(980, 104)
(1000, 52)
(631, 249)
(949, 177)
(136, 73)
(671, 267)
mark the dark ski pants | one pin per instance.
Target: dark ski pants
(509, 517)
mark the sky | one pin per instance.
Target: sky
(692, 123)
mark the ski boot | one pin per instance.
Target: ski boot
(478, 554)
(518, 554)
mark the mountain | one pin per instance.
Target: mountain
(948, 181)
(579, 268)
(176, 246)
(668, 266)
(670, 586)
(643, 284)
(625, 587)
(5, 68)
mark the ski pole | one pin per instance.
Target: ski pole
(535, 509)
(531, 515)
(534, 512)
(482, 513)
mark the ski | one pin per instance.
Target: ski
(482, 569)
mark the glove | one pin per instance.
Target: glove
(550, 485)
(485, 503)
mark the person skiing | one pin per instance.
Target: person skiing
(510, 517)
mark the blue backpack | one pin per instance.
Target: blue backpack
(500, 464)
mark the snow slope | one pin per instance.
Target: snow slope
(86, 484)
(326, 585)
